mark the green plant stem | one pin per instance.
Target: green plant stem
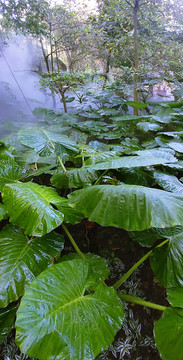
(100, 177)
(135, 266)
(62, 165)
(134, 300)
(73, 242)
(58, 157)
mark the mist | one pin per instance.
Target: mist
(20, 93)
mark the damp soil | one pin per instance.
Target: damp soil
(135, 340)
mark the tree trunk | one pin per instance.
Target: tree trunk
(107, 68)
(62, 93)
(56, 53)
(45, 56)
(51, 49)
(136, 57)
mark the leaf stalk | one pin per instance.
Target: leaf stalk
(136, 265)
(73, 242)
(139, 301)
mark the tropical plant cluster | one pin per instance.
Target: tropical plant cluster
(129, 177)
(99, 164)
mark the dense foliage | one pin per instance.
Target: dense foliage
(99, 163)
(48, 180)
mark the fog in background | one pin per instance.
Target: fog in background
(20, 92)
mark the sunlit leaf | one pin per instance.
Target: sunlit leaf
(66, 314)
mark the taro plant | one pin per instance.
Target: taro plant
(63, 307)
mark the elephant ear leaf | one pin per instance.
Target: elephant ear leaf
(46, 142)
(175, 296)
(166, 262)
(168, 182)
(129, 162)
(169, 328)
(10, 172)
(130, 207)
(21, 260)
(169, 334)
(3, 214)
(73, 178)
(30, 206)
(7, 320)
(67, 314)
(97, 264)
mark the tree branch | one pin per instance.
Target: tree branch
(128, 2)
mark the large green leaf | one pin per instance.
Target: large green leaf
(178, 165)
(130, 162)
(136, 176)
(21, 260)
(98, 265)
(44, 141)
(30, 206)
(74, 178)
(106, 111)
(173, 144)
(26, 157)
(136, 104)
(147, 126)
(5, 151)
(10, 172)
(169, 182)
(71, 215)
(66, 314)
(169, 334)
(149, 236)
(2, 212)
(175, 296)
(164, 153)
(129, 206)
(44, 113)
(164, 115)
(167, 262)
(7, 320)
(176, 145)
(175, 104)
(100, 157)
(121, 119)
